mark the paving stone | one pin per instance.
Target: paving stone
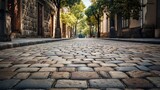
(65, 89)
(27, 69)
(137, 83)
(157, 67)
(57, 65)
(116, 61)
(6, 75)
(67, 69)
(87, 69)
(127, 64)
(48, 69)
(39, 75)
(81, 62)
(134, 89)
(7, 69)
(7, 84)
(84, 75)
(91, 89)
(155, 80)
(35, 84)
(157, 73)
(138, 74)
(108, 65)
(106, 83)
(5, 65)
(71, 83)
(60, 75)
(145, 63)
(144, 68)
(22, 76)
(76, 65)
(39, 65)
(126, 68)
(103, 69)
(118, 74)
(104, 74)
(21, 65)
(113, 89)
(93, 65)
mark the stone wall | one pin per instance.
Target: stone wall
(29, 18)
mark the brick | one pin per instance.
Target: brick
(71, 84)
(7, 84)
(84, 75)
(85, 69)
(126, 68)
(155, 80)
(138, 74)
(39, 75)
(39, 65)
(35, 84)
(137, 83)
(22, 76)
(27, 69)
(118, 74)
(60, 75)
(106, 83)
(48, 69)
(103, 69)
(67, 69)
(6, 75)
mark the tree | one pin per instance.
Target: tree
(59, 4)
(78, 11)
(95, 10)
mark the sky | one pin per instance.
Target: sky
(87, 3)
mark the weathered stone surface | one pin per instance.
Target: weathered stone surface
(87, 69)
(67, 69)
(103, 69)
(84, 75)
(39, 65)
(48, 69)
(126, 68)
(22, 76)
(104, 74)
(7, 84)
(71, 83)
(65, 89)
(27, 69)
(21, 65)
(155, 80)
(118, 74)
(106, 83)
(35, 84)
(137, 83)
(76, 65)
(60, 75)
(6, 75)
(137, 73)
(39, 75)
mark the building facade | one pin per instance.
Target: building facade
(26, 18)
(148, 25)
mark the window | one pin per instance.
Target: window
(125, 23)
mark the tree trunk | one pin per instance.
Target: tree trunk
(58, 28)
(98, 27)
(75, 33)
(90, 31)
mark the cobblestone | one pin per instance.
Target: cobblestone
(84, 75)
(81, 64)
(71, 83)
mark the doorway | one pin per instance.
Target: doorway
(40, 20)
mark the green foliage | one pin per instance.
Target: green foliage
(127, 8)
(83, 26)
(68, 18)
(78, 10)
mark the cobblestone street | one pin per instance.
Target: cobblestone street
(81, 64)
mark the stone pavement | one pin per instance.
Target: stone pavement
(81, 64)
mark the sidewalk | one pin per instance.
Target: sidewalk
(139, 40)
(26, 41)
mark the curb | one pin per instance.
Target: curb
(156, 41)
(13, 45)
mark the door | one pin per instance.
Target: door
(40, 29)
(14, 7)
(51, 25)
